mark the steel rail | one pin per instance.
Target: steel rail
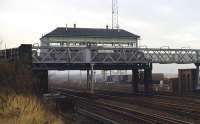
(187, 109)
(124, 111)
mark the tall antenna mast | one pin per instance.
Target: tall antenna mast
(115, 23)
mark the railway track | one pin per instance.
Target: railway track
(112, 113)
(134, 115)
(173, 106)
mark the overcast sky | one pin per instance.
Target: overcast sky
(174, 23)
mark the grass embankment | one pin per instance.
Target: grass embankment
(18, 104)
(20, 109)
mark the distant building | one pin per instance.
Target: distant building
(187, 80)
(184, 83)
(156, 78)
(65, 36)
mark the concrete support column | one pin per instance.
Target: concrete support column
(197, 75)
(25, 53)
(147, 81)
(40, 79)
(135, 80)
(24, 58)
(180, 83)
(90, 79)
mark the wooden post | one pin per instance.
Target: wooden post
(88, 76)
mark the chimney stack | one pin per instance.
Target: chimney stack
(66, 27)
(106, 26)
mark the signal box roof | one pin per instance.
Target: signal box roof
(91, 32)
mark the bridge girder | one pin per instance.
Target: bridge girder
(110, 55)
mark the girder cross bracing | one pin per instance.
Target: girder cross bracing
(112, 55)
(168, 56)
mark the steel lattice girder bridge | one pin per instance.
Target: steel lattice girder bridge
(112, 56)
(41, 59)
